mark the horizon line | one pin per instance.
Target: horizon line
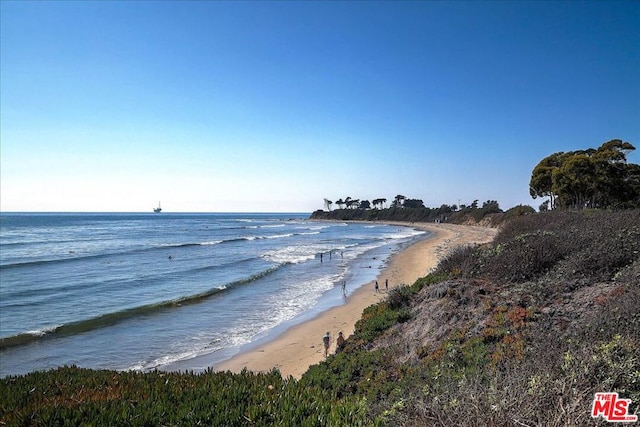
(155, 213)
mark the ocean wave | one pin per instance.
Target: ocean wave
(74, 257)
(110, 319)
(316, 227)
(284, 257)
(278, 236)
(13, 298)
(297, 254)
(69, 259)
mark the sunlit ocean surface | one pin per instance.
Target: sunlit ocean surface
(143, 291)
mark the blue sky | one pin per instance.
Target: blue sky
(274, 106)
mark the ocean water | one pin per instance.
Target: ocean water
(152, 291)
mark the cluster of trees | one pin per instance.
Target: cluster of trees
(592, 178)
(406, 209)
(381, 203)
(401, 201)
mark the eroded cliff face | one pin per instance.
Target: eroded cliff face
(502, 313)
(543, 280)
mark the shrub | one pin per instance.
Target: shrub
(399, 297)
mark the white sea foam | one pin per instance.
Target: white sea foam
(291, 254)
(197, 345)
(316, 227)
(278, 236)
(211, 243)
(404, 233)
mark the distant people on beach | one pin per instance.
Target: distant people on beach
(339, 342)
(386, 284)
(377, 287)
(326, 339)
(320, 256)
(344, 288)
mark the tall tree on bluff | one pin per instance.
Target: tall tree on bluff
(595, 178)
(379, 202)
(541, 183)
(398, 200)
(413, 203)
(617, 181)
(575, 181)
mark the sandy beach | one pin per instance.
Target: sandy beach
(301, 346)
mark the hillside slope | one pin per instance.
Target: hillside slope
(522, 331)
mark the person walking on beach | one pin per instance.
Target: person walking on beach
(386, 284)
(326, 339)
(339, 342)
(344, 288)
(377, 287)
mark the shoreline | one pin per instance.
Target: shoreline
(300, 346)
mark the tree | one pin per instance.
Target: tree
(544, 206)
(632, 186)
(612, 183)
(340, 203)
(379, 202)
(413, 203)
(541, 183)
(397, 201)
(443, 211)
(574, 182)
(327, 204)
(348, 202)
(491, 206)
(365, 204)
(591, 178)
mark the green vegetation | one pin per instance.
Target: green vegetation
(413, 210)
(73, 396)
(521, 331)
(592, 178)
